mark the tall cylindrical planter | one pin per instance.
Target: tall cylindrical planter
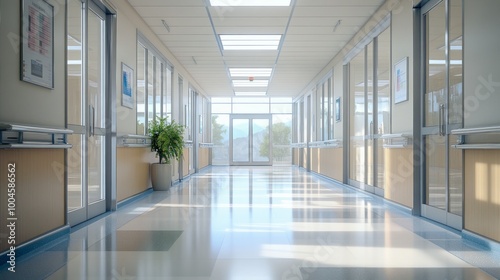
(161, 176)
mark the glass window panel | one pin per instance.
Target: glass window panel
(281, 100)
(96, 168)
(456, 70)
(96, 80)
(150, 85)
(220, 100)
(383, 100)
(369, 114)
(435, 148)
(260, 139)
(75, 183)
(330, 109)
(282, 137)
(357, 117)
(169, 89)
(220, 139)
(250, 109)
(455, 179)
(74, 52)
(325, 108)
(141, 90)
(221, 108)
(250, 100)
(436, 68)
(241, 140)
(158, 87)
(281, 108)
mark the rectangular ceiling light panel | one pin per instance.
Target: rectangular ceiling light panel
(247, 83)
(241, 3)
(250, 42)
(252, 93)
(251, 72)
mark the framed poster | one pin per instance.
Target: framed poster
(127, 86)
(337, 109)
(401, 81)
(37, 43)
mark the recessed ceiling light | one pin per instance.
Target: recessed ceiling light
(247, 83)
(250, 72)
(253, 93)
(235, 3)
(250, 42)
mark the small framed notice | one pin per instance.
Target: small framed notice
(127, 86)
(401, 81)
(37, 43)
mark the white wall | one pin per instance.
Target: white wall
(22, 102)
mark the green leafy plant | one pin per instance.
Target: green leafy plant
(167, 139)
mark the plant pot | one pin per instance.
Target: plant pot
(161, 176)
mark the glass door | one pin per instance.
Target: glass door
(442, 111)
(86, 111)
(250, 140)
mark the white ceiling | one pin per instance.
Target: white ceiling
(310, 42)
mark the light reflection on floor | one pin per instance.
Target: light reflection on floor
(259, 223)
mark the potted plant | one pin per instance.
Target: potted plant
(167, 141)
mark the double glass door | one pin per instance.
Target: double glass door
(369, 102)
(250, 140)
(86, 79)
(442, 111)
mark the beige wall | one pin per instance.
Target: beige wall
(398, 175)
(482, 193)
(132, 171)
(40, 186)
(39, 193)
(203, 157)
(22, 102)
(402, 47)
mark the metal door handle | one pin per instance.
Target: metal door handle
(92, 120)
(441, 120)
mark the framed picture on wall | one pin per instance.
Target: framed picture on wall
(401, 81)
(37, 43)
(127, 86)
(337, 109)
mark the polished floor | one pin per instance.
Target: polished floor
(259, 223)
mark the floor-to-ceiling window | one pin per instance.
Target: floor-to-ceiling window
(280, 127)
(154, 86)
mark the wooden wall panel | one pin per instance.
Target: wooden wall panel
(398, 175)
(185, 162)
(132, 171)
(305, 157)
(295, 156)
(482, 193)
(40, 193)
(315, 158)
(203, 157)
(331, 163)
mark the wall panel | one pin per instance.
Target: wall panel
(482, 192)
(132, 171)
(398, 175)
(203, 157)
(39, 192)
